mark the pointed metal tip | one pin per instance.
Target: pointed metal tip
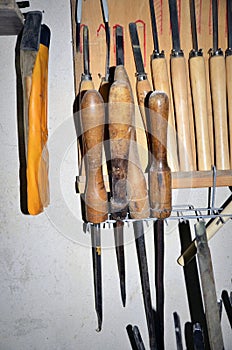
(123, 293)
(99, 323)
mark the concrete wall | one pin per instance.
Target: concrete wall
(46, 285)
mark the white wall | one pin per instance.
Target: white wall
(46, 288)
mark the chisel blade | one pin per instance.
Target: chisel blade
(176, 318)
(78, 23)
(136, 49)
(193, 25)
(119, 247)
(86, 52)
(119, 46)
(31, 31)
(154, 27)
(229, 19)
(174, 25)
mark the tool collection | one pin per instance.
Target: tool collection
(178, 138)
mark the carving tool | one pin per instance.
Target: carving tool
(179, 344)
(78, 23)
(229, 73)
(228, 306)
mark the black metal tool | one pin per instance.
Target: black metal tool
(179, 344)
(78, 23)
(119, 46)
(107, 31)
(228, 306)
(135, 337)
(198, 338)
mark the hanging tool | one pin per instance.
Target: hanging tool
(208, 288)
(135, 337)
(218, 90)
(229, 73)
(228, 305)
(192, 283)
(211, 229)
(179, 344)
(159, 71)
(198, 338)
(188, 334)
(143, 86)
(92, 115)
(199, 97)
(180, 95)
(78, 23)
(86, 77)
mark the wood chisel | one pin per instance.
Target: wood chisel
(229, 74)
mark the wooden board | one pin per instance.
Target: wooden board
(11, 18)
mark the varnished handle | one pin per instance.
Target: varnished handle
(160, 80)
(199, 95)
(180, 96)
(229, 99)
(218, 90)
(120, 119)
(92, 121)
(159, 173)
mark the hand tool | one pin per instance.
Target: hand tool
(34, 52)
(198, 338)
(211, 229)
(86, 77)
(160, 78)
(139, 209)
(188, 334)
(192, 283)
(180, 95)
(92, 115)
(228, 306)
(208, 288)
(143, 86)
(229, 73)
(217, 71)
(23, 4)
(120, 118)
(135, 337)
(179, 344)
(199, 97)
(78, 23)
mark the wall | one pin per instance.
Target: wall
(46, 284)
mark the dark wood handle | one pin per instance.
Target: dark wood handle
(92, 122)
(160, 173)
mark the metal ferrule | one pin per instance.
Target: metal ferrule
(228, 51)
(195, 53)
(157, 54)
(85, 77)
(217, 52)
(177, 53)
(141, 76)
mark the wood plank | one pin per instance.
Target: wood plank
(11, 18)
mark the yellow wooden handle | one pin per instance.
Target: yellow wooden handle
(142, 89)
(180, 96)
(218, 91)
(161, 83)
(229, 99)
(199, 95)
(92, 121)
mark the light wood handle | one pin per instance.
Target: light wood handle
(142, 89)
(92, 122)
(229, 99)
(218, 91)
(199, 95)
(120, 73)
(159, 173)
(120, 119)
(180, 96)
(160, 80)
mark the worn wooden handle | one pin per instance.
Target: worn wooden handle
(199, 94)
(142, 89)
(218, 91)
(160, 80)
(159, 173)
(180, 96)
(120, 119)
(229, 99)
(92, 122)
(120, 73)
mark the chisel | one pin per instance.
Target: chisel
(229, 73)
(198, 338)
(228, 306)
(135, 337)
(217, 71)
(92, 115)
(86, 77)
(180, 95)
(208, 288)
(78, 23)
(199, 97)
(176, 318)
(160, 78)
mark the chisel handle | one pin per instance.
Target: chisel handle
(120, 119)
(199, 96)
(160, 80)
(229, 98)
(143, 86)
(92, 121)
(120, 73)
(180, 96)
(218, 90)
(159, 173)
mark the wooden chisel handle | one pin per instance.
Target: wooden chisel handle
(160, 80)
(218, 91)
(229, 98)
(159, 173)
(92, 121)
(120, 119)
(143, 86)
(120, 73)
(199, 95)
(180, 96)
(85, 85)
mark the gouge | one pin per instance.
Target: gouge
(160, 78)
(199, 97)
(92, 115)
(180, 95)
(78, 23)
(228, 306)
(86, 77)
(217, 70)
(229, 73)
(176, 318)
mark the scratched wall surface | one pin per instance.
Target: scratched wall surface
(46, 288)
